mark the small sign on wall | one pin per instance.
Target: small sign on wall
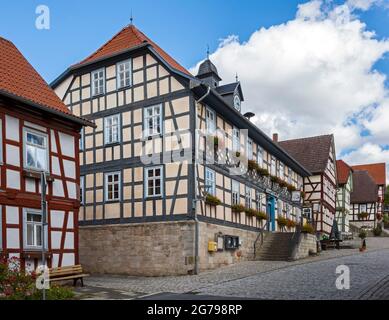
(220, 243)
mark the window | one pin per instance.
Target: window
(249, 149)
(260, 156)
(257, 200)
(33, 229)
(210, 121)
(236, 140)
(210, 187)
(82, 188)
(248, 197)
(123, 70)
(279, 208)
(281, 171)
(82, 140)
(112, 186)
(273, 167)
(36, 151)
(112, 129)
(153, 181)
(152, 121)
(363, 208)
(235, 191)
(98, 82)
(290, 173)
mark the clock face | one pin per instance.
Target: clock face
(237, 102)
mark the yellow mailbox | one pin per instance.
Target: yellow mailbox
(212, 246)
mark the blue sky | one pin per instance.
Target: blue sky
(183, 28)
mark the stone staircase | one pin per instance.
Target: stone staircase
(276, 247)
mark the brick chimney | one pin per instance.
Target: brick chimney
(275, 137)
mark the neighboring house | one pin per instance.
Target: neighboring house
(343, 200)
(317, 154)
(378, 172)
(364, 199)
(38, 133)
(139, 216)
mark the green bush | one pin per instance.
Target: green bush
(362, 234)
(377, 231)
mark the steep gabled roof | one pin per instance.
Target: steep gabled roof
(365, 189)
(128, 38)
(230, 89)
(311, 152)
(19, 79)
(344, 171)
(376, 170)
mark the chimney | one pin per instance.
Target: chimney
(275, 137)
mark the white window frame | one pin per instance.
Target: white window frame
(101, 87)
(248, 198)
(26, 212)
(260, 156)
(210, 120)
(361, 206)
(235, 192)
(210, 179)
(250, 150)
(46, 140)
(107, 129)
(82, 139)
(106, 184)
(120, 74)
(154, 178)
(156, 121)
(82, 190)
(273, 166)
(281, 170)
(235, 139)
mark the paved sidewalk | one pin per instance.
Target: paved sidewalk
(127, 287)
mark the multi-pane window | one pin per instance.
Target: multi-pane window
(281, 169)
(258, 200)
(98, 82)
(123, 70)
(210, 121)
(248, 197)
(290, 173)
(260, 156)
(112, 129)
(236, 140)
(153, 181)
(235, 191)
(112, 186)
(36, 150)
(363, 208)
(249, 149)
(82, 139)
(152, 121)
(33, 229)
(273, 167)
(210, 186)
(82, 189)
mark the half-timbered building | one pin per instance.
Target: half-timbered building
(343, 195)
(37, 134)
(317, 154)
(151, 205)
(364, 200)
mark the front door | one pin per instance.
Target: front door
(271, 213)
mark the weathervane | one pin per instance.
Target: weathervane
(131, 19)
(208, 51)
(236, 77)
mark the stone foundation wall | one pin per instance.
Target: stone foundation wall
(158, 249)
(306, 246)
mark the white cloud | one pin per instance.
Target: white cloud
(313, 75)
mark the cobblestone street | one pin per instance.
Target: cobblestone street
(312, 278)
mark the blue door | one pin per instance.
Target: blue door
(271, 211)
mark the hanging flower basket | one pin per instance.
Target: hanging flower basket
(252, 165)
(212, 200)
(261, 215)
(238, 208)
(262, 172)
(291, 224)
(250, 212)
(291, 188)
(281, 221)
(308, 228)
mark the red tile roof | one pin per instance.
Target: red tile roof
(18, 78)
(376, 170)
(344, 171)
(365, 189)
(130, 37)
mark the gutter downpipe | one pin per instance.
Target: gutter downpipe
(197, 238)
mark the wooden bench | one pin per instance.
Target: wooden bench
(68, 273)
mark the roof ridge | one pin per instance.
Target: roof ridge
(311, 137)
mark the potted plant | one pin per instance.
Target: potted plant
(282, 222)
(250, 212)
(262, 172)
(238, 208)
(212, 200)
(291, 224)
(252, 165)
(273, 179)
(308, 228)
(363, 216)
(282, 183)
(291, 188)
(261, 215)
(377, 231)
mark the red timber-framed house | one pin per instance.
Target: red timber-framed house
(317, 154)
(38, 133)
(367, 200)
(151, 218)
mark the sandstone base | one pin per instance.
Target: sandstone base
(158, 249)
